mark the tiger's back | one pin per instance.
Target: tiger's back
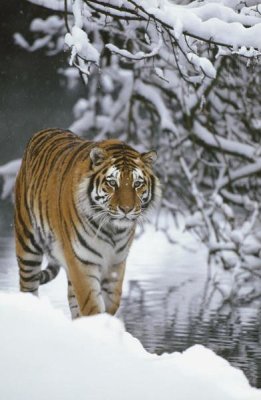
(78, 203)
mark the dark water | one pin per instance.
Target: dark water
(168, 305)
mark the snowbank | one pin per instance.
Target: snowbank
(43, 355)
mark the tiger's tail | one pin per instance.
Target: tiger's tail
(49, 273)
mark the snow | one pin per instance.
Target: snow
(78, 39)
(152, 94)
(214, 22)
(45, 355)
(140, 55)
(49, 26)
(249, 53)
(224, 13)
(77, 7)
(202, 63)
(71, 75)
(8, 172)
(241, 149)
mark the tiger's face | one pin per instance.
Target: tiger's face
(124, 186)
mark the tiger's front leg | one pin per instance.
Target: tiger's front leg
(73, 303)
(112, 287)
(84, 289)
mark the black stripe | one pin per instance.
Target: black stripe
(42, 179)
(32, 278)
(25, 271)
(123, 163)
(94, 227)
(107, 234)
(90, 188)
(152, 187)
(85, 262)
(24, 245)
(94, 230)
(40, 209)
(124, 245)
(84, 243)
(123, 147)
(80, 220)
(62, 150)
(38, 169)
(27, 232)
(97, 184)
(74, 156)
(30, 263)
(120, 231)
(42, 137)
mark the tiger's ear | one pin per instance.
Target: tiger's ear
(149, 158)
(98, 156)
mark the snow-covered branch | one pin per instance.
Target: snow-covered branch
(221, 144)
(8, 173)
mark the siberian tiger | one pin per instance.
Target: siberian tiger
(78, 202)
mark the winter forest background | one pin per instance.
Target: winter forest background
(184, 79)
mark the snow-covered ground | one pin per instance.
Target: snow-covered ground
(43, 355)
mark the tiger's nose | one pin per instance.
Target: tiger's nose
(125, 209)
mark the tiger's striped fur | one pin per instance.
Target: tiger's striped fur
(77, 202)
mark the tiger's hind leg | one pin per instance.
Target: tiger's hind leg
(28, 251)
(29, 260)
(73, 303)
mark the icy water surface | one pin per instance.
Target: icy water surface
(166, 302)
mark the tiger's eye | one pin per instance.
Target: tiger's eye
(137, 184)
(112, 182)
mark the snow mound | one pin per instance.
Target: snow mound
(46, 356)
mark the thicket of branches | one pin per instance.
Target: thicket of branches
(184, 79)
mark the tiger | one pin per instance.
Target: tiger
(78, 202)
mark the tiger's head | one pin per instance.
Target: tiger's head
(123, 186)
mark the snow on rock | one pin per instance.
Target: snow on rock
(46, 356)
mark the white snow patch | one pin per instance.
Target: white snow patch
(46, 356)
(78, 39)
(202, 63)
